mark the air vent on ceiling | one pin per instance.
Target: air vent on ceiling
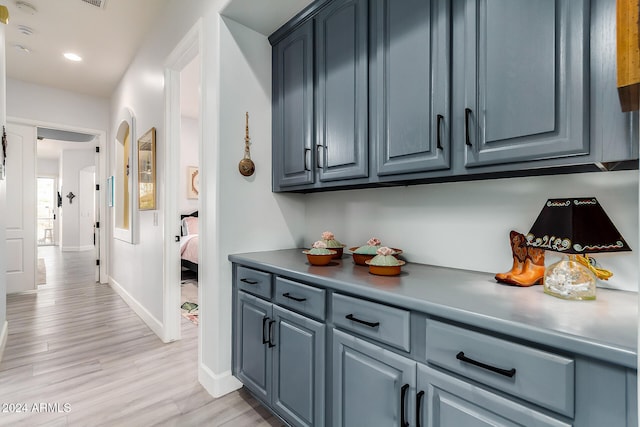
(96, 3)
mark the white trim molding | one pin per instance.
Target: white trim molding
(4, 334)
(217, 384)
(153, 323)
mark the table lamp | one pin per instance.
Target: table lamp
(573, 226)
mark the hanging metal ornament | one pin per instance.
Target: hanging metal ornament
(246, 165)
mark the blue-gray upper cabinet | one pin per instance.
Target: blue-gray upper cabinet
(410, 85)
(341, 103)
(525, 79)
(293, 154)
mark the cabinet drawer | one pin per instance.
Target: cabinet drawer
(254, 281)
(386, 324)
(302, 298)
(540, 377)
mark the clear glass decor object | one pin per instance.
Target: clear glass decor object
(569, 279)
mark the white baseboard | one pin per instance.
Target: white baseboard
(4, 334)
(77, 248)
(217, 384)
(153, 323)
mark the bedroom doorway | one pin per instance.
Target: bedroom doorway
(182, 272)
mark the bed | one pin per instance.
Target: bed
(189, 241)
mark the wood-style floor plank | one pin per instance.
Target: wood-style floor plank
(77, 355)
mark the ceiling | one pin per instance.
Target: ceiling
(107, 39)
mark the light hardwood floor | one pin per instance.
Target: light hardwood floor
(77, 345)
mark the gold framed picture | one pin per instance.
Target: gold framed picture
(147, 170)
(193, 182)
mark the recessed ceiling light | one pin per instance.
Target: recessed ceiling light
(73, 57)
(22, 48)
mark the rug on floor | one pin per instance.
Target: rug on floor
(189, 300)
(42, 272)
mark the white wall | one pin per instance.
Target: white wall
(72, 162)
(188, 157)
(238, 214)
(47, 167)
(44, 104)
(466, 224)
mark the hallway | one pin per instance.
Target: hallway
(77, 355)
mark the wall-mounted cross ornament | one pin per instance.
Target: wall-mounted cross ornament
(70, 196)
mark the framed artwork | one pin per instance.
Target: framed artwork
(193, 182)
(147, 170)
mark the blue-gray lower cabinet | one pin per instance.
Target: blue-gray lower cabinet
(445, 401)
(280, 357)
(371, 386)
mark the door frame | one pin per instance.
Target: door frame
(186, 50)
(101, 176)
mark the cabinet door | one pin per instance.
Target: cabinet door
(298, 368)
(254, 357)
(526, 80)
(450, 402)
(410, 84)
(342, 90)
(371, 386)
(293, 156)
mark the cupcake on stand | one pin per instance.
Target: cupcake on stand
(366, 252)
(319, 254)
(384, 263)
(329, 239)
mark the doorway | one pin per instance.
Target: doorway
(183, 207)
(46, 211)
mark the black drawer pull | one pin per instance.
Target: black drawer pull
(271, 344)
(264, 336)
(467, 113)
(419, 397)
(364, 322)
(403, 404)
(507, 373)
(439, 120)
(250, 281)
(288, 295)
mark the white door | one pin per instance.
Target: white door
(21, 208)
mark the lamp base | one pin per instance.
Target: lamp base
(568, 279)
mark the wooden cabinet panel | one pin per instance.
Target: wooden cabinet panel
(526, 80)
(341, 42)
(293, 156)
(410, 85)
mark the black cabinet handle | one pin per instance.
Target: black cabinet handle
(307, 152)
(419, 397)
(467, 113)
(439, 120)
(318, 147)
(264, 336)
(271, 344)
(403, 404)
(288, 295)
(249, 281)
(364, 322)
(507, 373)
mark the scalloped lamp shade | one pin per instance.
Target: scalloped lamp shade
(574, 226)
